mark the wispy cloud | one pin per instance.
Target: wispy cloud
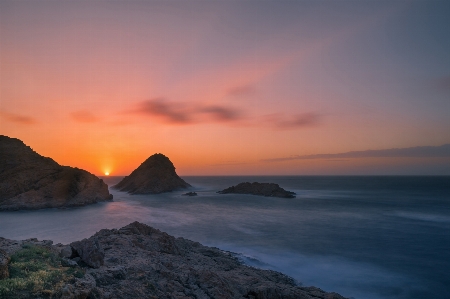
(187, 113)
(221, 113)
(409, 152)
(84, 116)
(172, 112)
(183, 113)
(241, 90)
(18, 118)
(280, 121)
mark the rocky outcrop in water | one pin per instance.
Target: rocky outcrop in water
(190, 194)
(156, 175)
(31, 181)
(264, 189)
(142, 262)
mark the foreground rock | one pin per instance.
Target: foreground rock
(264, 189)
(31, 181)
(156, 175)
(142, 262)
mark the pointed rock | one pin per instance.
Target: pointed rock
(156, 175)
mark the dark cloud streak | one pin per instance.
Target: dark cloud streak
(409, 152)
(180, 113)
(221, 113)
(18, 118)
(278, 121)
(172, 112)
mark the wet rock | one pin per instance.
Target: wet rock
(190, 194)
(31, 181)
(90, 252)
(155, 175)
(263, 189)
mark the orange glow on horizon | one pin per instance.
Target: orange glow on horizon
(218, 91)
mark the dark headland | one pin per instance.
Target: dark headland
(31, 181)
(155, 175)
(138, 261)
(263, 189)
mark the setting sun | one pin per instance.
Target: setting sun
(106, 173)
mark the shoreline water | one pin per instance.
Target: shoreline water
(372, 240)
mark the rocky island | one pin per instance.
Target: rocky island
(138, 261)
(155, 175)
(31, 181)
(264, 189)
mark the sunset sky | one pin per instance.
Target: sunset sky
(230, 87)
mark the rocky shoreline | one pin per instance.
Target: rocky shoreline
(138, 261)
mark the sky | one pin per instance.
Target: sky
(230, 87)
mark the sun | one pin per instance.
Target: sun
(106, 173)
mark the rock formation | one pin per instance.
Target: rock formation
(156, 175)
(31, 181)
(264, 189)
(190, 194)
(139, 261)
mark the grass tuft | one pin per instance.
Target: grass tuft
(35, 271)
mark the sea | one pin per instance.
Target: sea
(365, 237)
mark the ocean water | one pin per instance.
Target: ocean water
(363, 237)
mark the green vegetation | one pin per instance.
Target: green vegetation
(35, 271)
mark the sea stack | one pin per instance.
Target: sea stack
(263, 189)
(156, 175)
(31, 181)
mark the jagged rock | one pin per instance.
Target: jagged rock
(90, 252)
(31, 181)
(264, 189)
(66, 252)
(81, 289)
(155, 175)
(143, 262)
(4, 261)
(65, 262)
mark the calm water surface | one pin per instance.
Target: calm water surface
(363, 237)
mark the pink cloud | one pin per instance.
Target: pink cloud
(18, 118)
(182, 113)
(280, 121)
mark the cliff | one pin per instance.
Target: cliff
(155, 175)
(138, 261)
(31, 181)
